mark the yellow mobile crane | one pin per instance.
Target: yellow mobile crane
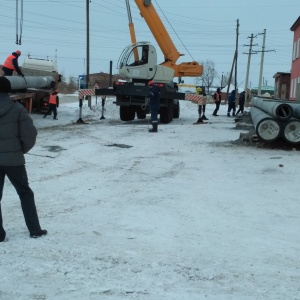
(138, 64)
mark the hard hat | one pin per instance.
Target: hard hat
(18, 52)
(151, 82)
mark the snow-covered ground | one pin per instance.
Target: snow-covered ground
(178, 215)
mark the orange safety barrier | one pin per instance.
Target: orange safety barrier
(86, 92)
(198, 99)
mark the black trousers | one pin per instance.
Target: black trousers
(7, 71)
(217, 107)
(200, 109)
(241, 108)
(18, 177)
(231, 106)
(52, 107)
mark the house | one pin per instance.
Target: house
(102, 80)
(264, 89)
(295, 73)
(282, 85)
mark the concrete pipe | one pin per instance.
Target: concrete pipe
(36, 82)
(279, 110)
(296, 110)
(266, 127)
(291, 131)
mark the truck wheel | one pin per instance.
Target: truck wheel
(127, 113)
(166, 113)
(176, 109)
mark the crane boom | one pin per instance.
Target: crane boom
(158, 30)
(165, 42)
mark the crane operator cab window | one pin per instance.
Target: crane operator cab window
(138, 56)
(138, 61)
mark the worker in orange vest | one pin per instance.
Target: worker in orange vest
(11, 64)
(53, 104)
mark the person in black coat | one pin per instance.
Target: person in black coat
(241, 102)
(154, 96)
(17, 137)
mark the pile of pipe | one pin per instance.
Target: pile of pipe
(276, 118)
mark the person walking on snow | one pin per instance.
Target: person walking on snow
(154, 95)
(11, 64)
(17, 137)
(53, 105)
(217, 98)
(241, 102)
(231, 104)
(201, 109)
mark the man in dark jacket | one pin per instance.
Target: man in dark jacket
(154, 95)
(231, 104)
(17, 137)
(11, 64)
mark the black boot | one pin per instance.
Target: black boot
(154, 127)
(204, 117)
(38, 233)
(2, 235)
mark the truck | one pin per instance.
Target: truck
(34, 89)
(138, 65)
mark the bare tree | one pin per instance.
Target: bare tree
(208, 76)
(232, 78)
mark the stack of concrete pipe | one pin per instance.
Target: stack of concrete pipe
(276, 118)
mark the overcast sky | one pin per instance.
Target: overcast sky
(202, 30)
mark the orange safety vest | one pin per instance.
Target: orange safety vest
(9, 62)
(52, 99)
(218, 96)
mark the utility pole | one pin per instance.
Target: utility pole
(248, 69)
(236, 57)
(234, 63)
(262, 62)
(222, 80)
(88, 48)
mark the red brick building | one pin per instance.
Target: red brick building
(295, 73)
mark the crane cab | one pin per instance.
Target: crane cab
(139, 62)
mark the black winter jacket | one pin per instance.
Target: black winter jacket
(17, 132)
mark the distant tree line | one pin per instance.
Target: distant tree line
(68, 87)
